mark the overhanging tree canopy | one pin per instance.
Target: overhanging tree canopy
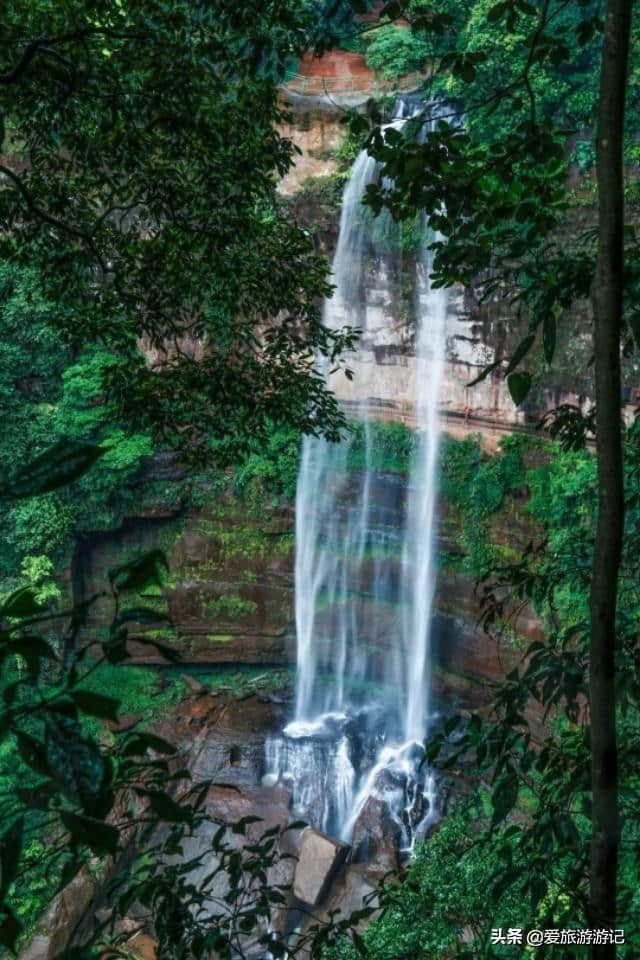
(138, 179)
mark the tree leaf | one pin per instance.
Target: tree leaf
(504, 796)
(99, 836)
(496, 12)
(32, 649)
(32, 752)
(166, 808)
(484, 374)
(520, 352)
(58, 466)
(519, 386)
(74, 760)
(140, 572)
(96, 705)
(39, 797)
(21, 603)
(173, 656)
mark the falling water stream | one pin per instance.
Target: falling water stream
(364, 572)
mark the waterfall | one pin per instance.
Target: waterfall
(364, 570)
(420, 529)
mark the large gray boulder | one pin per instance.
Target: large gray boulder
(319, 862)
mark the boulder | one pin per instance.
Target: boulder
(357, 887)
(320, 860)
(377, 835)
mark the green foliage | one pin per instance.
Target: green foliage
(476, 486)
(65, 780)
(334, 23)
(140, 690)
(391, 445)
(553, 574)
(272, 469)
(564, 84)
(156, 222)
(230, 606)
(396, 51)
(522, 75)
(38, 572)
(50, 393)
(347, 150)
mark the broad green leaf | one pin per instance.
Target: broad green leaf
(57, 467)
(484, 373)
(504, 796)
(21, 603)
(520, 352)
(519, 386)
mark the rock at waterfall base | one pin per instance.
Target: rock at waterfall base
(320, 860)
(377, 835)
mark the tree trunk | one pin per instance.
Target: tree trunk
(607, 308)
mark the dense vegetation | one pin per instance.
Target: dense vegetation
(565, 83)
(51, 390)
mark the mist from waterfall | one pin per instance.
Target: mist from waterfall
(364, 707)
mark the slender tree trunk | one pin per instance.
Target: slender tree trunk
(607, 307)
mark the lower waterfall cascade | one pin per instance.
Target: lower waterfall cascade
(364, 572)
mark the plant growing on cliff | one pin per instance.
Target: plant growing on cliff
(396, 51)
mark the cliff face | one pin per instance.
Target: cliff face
(477, 332)
(230, 590)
